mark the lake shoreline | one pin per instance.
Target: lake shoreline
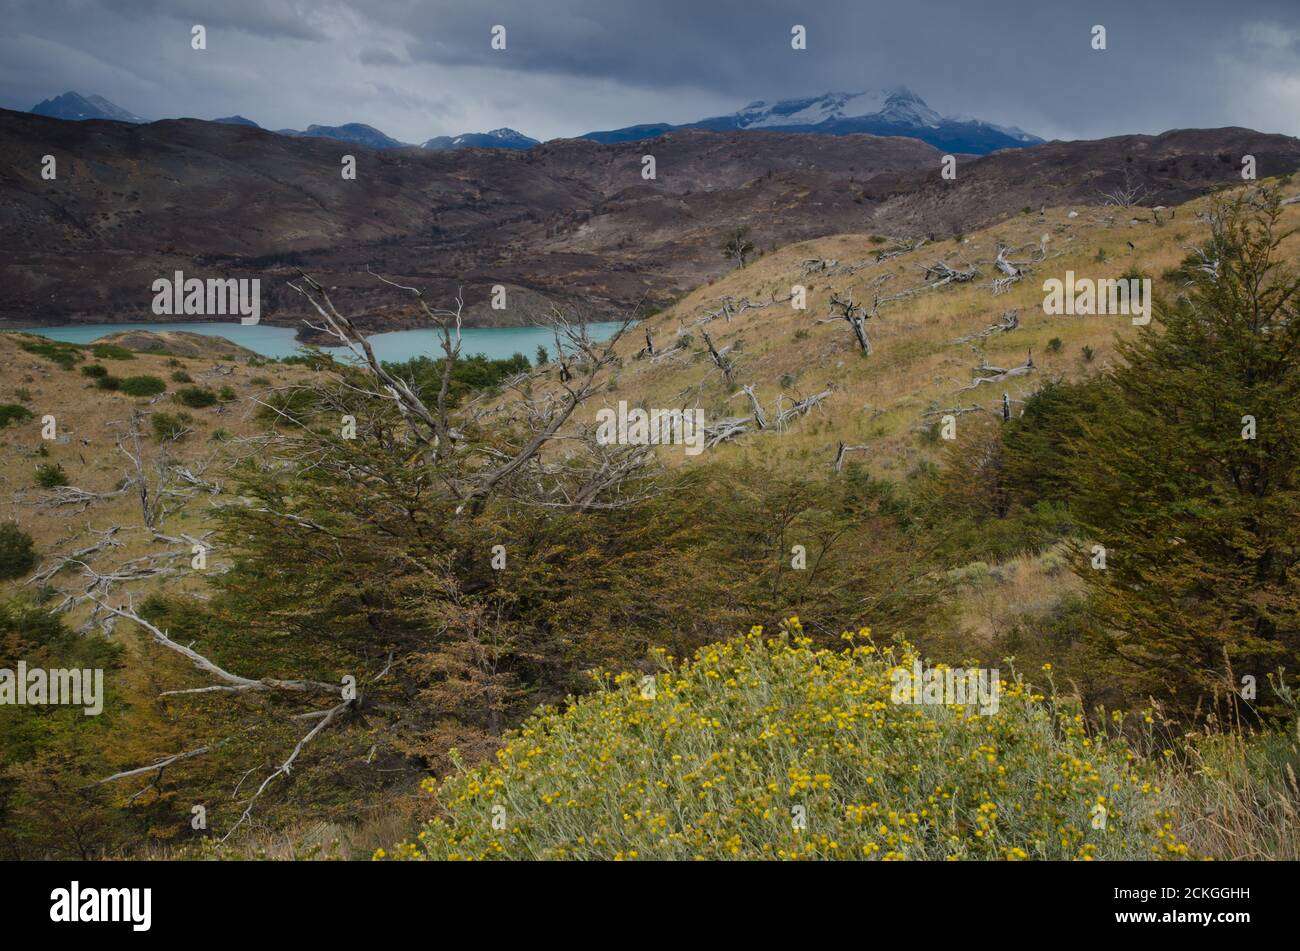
(276, 341)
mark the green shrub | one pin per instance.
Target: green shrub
(227, 395)
(65, 355)
(108, 383)
(50, 475)
(171, 427)
(111, 351)
(143, 386)
(180, 376)
(95, 370)
(17, 553)
(195, 397)
(295, 403)
(13, 413)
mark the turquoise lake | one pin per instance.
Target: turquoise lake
(493, 342)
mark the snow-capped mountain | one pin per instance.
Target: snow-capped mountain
(75, 106)
(496, 139)
(897, 111)
(899, 105)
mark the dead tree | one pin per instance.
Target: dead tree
(539, 456)
(760, 419)
(738, 247)
(1009, 321)
(1014, 271)
(799, 407)
(843, 308)
(940, 273)
(725, 430)
(899, 248)
(999, 374)
(720, 359)
(1127, 195)
(841, 452)
(231, 683)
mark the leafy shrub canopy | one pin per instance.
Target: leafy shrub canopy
(196, 397)
(143, 386)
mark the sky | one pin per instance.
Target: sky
(420, 68)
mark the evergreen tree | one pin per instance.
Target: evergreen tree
(1187, 474)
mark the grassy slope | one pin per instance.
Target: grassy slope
(88, 423)
(917, 366)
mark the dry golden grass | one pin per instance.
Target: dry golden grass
(918, 365)
(89, 422)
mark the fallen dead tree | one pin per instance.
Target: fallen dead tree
(228, 682)
(1009, 321)
(107, 540)
(994, 374)
(940, 273)
(899, 248)
(724, 430)
(1014, 271)
(799, 407)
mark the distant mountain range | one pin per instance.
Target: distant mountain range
(890, 112)
(569, 223)
(897, 111)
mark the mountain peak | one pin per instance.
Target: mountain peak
(503, 138)
(356, 132)
(897, 103)
(77, 107)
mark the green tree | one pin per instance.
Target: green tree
(1187, 474)
(17, 554)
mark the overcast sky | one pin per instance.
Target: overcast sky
(419, 68)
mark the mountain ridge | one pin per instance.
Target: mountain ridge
(571, 222)
(894, 111)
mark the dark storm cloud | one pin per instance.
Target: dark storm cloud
(416, 69)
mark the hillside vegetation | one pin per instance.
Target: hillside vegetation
(407, 562)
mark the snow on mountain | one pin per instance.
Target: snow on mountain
(496, 139)
(75, 106)
(890, 112)
(899, 104)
